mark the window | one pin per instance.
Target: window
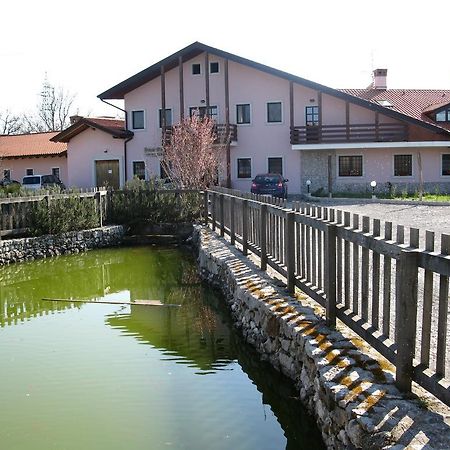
(350, 166)
(402, 165)
(274, 112)
(201, 111)
(214, 67)
(55, 172)
(137, 119)
(243, 113)
(6, 174)
(29, 172)
(443, 116)
(196, 69)
(168, 118)
(139, 169)
(445, 164)
(312, 116)
(275, 165)
(244, 166)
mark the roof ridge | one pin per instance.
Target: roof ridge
(28, 134)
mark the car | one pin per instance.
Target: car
(270, 183)
(36, 182)
(7, 182)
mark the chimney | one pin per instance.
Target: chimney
(379, 79)
(74, 119)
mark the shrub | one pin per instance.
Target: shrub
(148, 202)
(61, 215)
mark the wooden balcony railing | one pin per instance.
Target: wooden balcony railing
(220, 130)
(383, 132)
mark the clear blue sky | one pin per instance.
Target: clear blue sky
(89, 46)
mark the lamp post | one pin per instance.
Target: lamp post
(308, 186)
(374, 185)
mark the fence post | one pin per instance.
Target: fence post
(330, 274)
(232, 220)
(245, 227)
(289, 239)
(405, 318)
(205, 204)
(48, 201)
(263, 231)
(213, 211)
(98, 201)
(222, 218)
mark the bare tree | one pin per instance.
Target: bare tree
(192, 158)
(11, 123)
(53, 112)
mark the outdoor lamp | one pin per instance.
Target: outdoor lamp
(308, 184)
(373, 183)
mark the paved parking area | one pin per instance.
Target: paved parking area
(424, 217)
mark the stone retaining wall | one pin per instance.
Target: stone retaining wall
(28, 249)
(352, 396)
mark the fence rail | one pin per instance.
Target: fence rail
(15, 216)
(392, 292)
(15, 211)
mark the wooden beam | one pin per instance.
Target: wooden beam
(347, 119)
(291, 104)
(227, 122)
(377, 126)
(319, 104)
(163, 97)
(181, 83)
(207, 82)
(227, 93)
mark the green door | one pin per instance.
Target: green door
(107, 173)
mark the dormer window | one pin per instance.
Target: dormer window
(443, 116)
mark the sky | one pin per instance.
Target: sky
(87, 47)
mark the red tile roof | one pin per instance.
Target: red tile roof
(411, 102)
(27, 145)
(114, 127)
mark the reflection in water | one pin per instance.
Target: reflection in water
(197, 335)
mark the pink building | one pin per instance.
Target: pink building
(96, 151)
(32, 154)
(337, 139)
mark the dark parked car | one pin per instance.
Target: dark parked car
(270, 183)
(7, 182)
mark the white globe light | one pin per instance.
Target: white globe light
(373, 183)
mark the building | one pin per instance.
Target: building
(32, 154)
(338, 139)
(96, 151)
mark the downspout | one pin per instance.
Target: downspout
(125, 141)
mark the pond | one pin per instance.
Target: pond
(120, 376)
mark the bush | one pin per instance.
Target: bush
(146, 202)
(71, 213)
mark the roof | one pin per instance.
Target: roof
(31, 145)
(191, 51)
(114, 127)
(414, 103)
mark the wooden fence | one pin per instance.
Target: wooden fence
(392, 292)
(15, 211)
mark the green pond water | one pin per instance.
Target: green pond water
(111, 376)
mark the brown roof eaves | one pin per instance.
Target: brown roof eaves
(118, 91)
(85, 123)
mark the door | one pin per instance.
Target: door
(107, 173)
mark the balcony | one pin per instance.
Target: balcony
(333, 134)
(220, 130)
